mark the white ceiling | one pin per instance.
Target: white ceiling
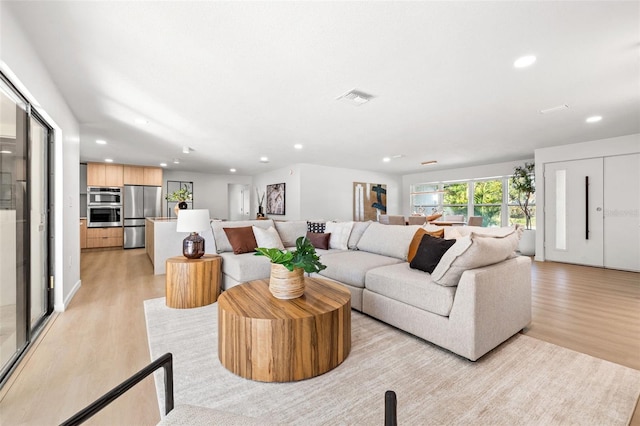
(239, 80)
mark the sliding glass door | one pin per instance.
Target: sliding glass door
(25, 299)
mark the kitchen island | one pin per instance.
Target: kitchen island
(162, 241)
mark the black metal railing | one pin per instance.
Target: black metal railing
(165, 361)
(390, 404)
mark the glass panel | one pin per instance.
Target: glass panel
(38, 175)
(561, 209)
(487, 192)
(424, 199)
(14, 229)
(491, 215)
(455, 199)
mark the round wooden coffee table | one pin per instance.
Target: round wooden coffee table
(272, 340)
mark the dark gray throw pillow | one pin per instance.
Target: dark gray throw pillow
(429, 253)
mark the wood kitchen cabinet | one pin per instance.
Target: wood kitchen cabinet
(104, 237)
(99, 174)
(138, 175)
(83, 233)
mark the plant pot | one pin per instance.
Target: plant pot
(286, 284)
(182, 205)
(527, 245)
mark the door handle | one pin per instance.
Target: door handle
(586, 209)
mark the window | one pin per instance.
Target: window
(455, 199)
(425, 199)
(487, 201)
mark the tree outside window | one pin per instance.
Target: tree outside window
(456, 199)
(487, 201)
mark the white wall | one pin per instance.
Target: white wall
(321, 192)
(475, 172)
(621, 145)
(209, 191)
(21, 64)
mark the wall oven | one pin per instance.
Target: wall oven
(104, 216)
(103, 196)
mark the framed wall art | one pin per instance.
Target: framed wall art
(369, 201)
(276, 198)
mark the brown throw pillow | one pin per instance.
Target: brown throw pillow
(417, 237)
(319, 241)
(241, 239)
(430, 251)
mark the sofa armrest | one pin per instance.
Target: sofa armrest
(493, 303)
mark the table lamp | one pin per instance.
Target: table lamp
(193, 221)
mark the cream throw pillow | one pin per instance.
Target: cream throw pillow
(267, 238)
(474, 251)
(340, 232)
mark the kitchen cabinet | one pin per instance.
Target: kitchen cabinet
(139, 175)
(104, 237)
(83, 233)
(99, 174)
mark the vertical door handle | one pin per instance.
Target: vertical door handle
(586, 210)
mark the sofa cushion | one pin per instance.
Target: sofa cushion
(452, 232)
(387, 240)
(429, 253)
(290, 231)
(350, 267)
(356, 233)
(242, 239)
(411, 286)
(268, 238)
(417, 238)
(222, 242)
(319, 241)
(245, 267)
(340, 232)
(474, 251)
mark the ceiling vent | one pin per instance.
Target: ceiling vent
(355, 97)
(554, 109)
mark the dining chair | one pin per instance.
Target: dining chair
(475, 221)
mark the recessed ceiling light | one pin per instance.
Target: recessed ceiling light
(176, 161)
(386, 159)
(186, 150)
(232, 170)
(108, 160)
(355, 97)
(141, 121)
(594, 119)
(430, 162)
(297, 146)
(398, 156)
(264, 159)
(524, 61)
(4, 151)
(163, 164)
(101, 142)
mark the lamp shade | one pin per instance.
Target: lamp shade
(196, 220)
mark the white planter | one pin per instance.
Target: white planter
(527, 246)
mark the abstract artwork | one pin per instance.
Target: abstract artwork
(369, 200)
(276, 198)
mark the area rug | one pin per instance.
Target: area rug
(523, 381)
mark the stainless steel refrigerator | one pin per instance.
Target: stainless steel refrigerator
(139, 202)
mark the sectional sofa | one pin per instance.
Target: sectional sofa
(477, 297)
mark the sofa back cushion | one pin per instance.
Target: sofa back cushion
(474, 251)
(387, 240)
(290, 231)
(222, 242)
(356, 234)
(452, 232)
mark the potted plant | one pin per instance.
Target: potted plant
(524, 186)
(288, 267)
(181, 196)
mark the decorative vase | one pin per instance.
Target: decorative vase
(286, 284)
(182, 205)
(527, 245)
(260, 212)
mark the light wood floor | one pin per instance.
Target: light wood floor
(101, 338)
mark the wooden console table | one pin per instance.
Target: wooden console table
(272, 340)
(192, 283)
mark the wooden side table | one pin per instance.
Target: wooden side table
(273, 340)
(192, 283)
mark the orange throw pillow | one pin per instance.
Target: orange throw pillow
(417, 237)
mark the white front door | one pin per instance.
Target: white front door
(574, 212)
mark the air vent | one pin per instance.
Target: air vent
(554, 109)
(355, 97)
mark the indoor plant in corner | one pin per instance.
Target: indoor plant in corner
(523, 185)
(288, 267)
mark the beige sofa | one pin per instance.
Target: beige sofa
(475, 299)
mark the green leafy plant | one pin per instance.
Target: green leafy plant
(180, 195)
(524, 185)
(304, 256)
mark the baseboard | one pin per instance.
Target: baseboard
(61, 307)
